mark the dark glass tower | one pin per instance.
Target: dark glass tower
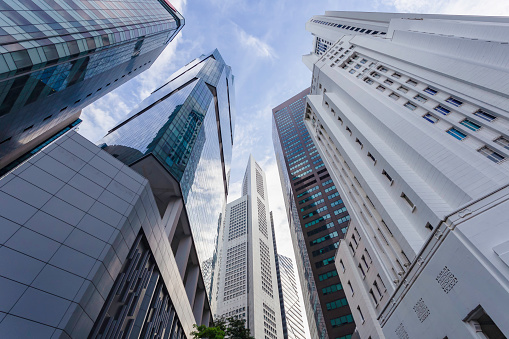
(317, 217)
(58, 57)
(180, 138)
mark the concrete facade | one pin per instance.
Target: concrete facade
(72, 219)
(247, 285)
(411, 122)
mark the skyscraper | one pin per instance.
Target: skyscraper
(94, 246)
(409, 114)
(317, 217)
(248, 282)
(180, 138)
(86, 253)
(293, 326)
(291, 315)
(56, 58)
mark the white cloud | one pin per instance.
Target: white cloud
(102, 115)
(255, 45)
(470, 7)
(106, 112)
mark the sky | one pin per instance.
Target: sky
(263, 41)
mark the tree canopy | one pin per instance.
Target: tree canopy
(223, 328)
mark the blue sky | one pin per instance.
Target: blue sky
(263, 42)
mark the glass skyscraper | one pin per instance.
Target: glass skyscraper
(180, 138)
(317, 217)
(58, 57)
(291, 315)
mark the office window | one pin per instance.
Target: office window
(360, 313)
(411, 82)
(350, 285)
(368, 81)
(351, 247)
(385, 174)
(380, 88)
(420, 98)
(371, 157)
(403, 89)
(410, 106)
(359, 142)
(375, 301)
(431, 91)
(358, 66)
(486, 116)
(470, 125)
(375, 75)
(503, 142)
(457, 134)
(375, 284)
(346, 319)
(348, 130)
(352, 71)
(454, 101)
(430, 118)
(355, 240)
(396, 75)
(362, 271)
(483, 324)
(388, 82)
(409, 202)
(442, 110)
(363, 258)
(394, 96)
(363, 61)
(491, 154)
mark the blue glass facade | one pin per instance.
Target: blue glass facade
(56, 58)
(187, 126)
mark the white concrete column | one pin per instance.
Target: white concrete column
(182, 256)
(198, 305)
(205, 319)
(171, 217)
(192, 282)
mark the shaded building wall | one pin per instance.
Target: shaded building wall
(85, 250)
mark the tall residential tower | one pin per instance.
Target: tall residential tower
(410, 115)
(58, 57)
(247, 284)
(317, 218)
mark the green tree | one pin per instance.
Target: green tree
(213, 332)
(223, 328)
(237, 329)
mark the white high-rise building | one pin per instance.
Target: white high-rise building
(410, 114)
(247, 285)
